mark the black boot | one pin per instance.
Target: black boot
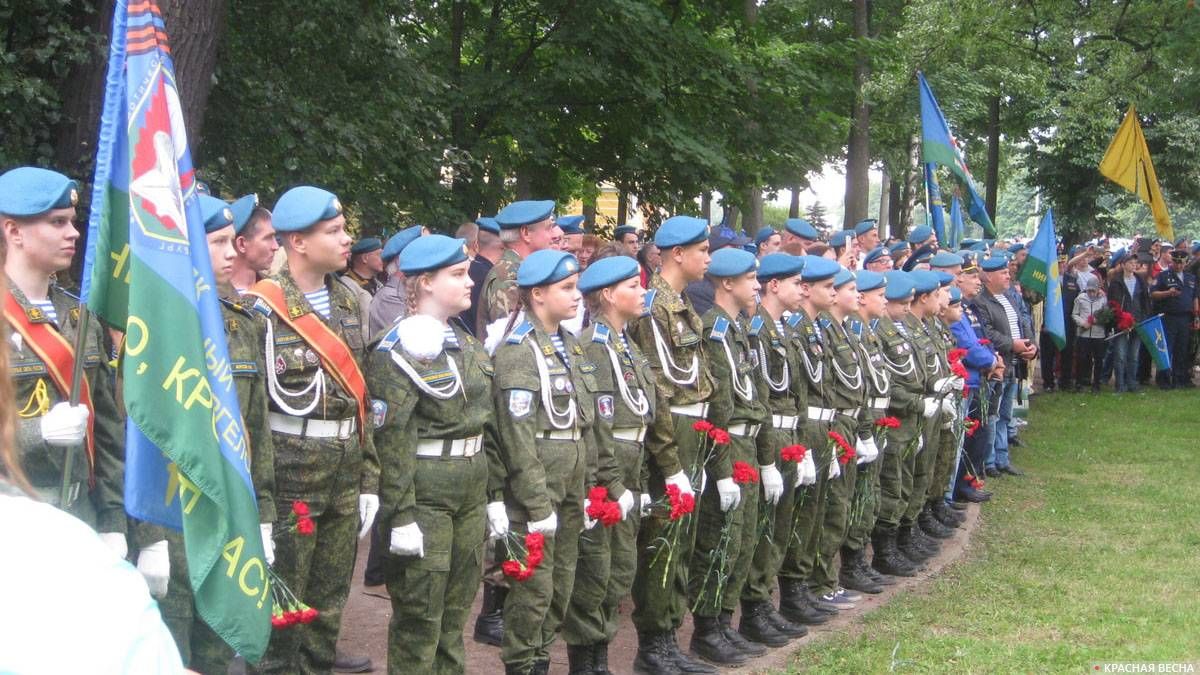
(683, 662)
(756, 625)
(906, 544)
(887, 558)
(654, 655)
(740, 643)
(489, 625)
(600, 659)
(540, 668)
(710, 644)
(926, 543)
(794, 606)
(580, 660)
(782, 625)
(876, 576)
(931, 526)
(853, 576)
(948, 516)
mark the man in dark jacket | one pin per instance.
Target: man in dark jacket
(1128, 291)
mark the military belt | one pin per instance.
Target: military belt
(310, 428)
(880, 403)
(849, 412)
(449, 447)
(784, 421)
(747, 430)
(820, 414)
(571, 434)
(699, 410)
(635, 434)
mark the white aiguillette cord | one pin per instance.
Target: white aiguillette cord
(638, 404)
(559, 419)
(688, 376)
(443, 392)
(275, 389)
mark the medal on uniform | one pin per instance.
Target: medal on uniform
(679, 326)
(280, 365)
(560, 383)
(310, 357)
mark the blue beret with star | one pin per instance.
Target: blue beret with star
(608, 271)
(955, 296)
(919, 234)
(242, 209)
(522, 213)
(924, 281)
(801, 228)
(680, 231)
(731, 262)
(488, 224)
(399, 241)
(29, 191)
(216, 213)
(302, 207)
(546, 266)
(899, 286)
(841, 238)
(944, 278)
(869, 281)
(864, 226)
(875, 254)
(624, 230)
(571, 224)
(779, 266)
(763, 235)
(843, 277)
(433, 252)
(366, 245)
(817, 268)
(945, 259)
(994, 263)
(898, 248)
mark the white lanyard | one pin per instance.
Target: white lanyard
(275, 389)
(687, 376)
(559, 419)
(638, 404)
(443, 392)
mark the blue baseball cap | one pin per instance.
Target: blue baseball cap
(680, 231)
(29, 191)
(779, 266)
(869, 281)
(731, 262)
(606, 272)
(399, 241)
(900, 286)
(433, 253)
(522, 213)
(304, 206)
(546, 266)
(801, 228)
(817, 268)
(216, 213)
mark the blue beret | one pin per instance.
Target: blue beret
(843, 277)
(399, 241)
(517, 214)
(875, 254)
(680, 231)
(242, 210)
(968, 243)
(921, 255)
(945, 259)
(624, 230)
(779, 265)
(432, 253)
(841, 238)
(751, 248)
(994, 263)
(898, 247)
(979, 247)
(730, 262)
(899, 285)
(817, 268)
(216, 213)
(571, 224)
(546, 266)
(606, 272)
(944, 278)
(302, 207)
(955, 296)
(30, 191)
(924, 281)
(202, 188)
(366, 245)
(801, 228)
(488, 224)
(1117, 257)
(1015, 248)
(919, 234)
(869, 281)
(1076, 250)
(764, 234)
(864, 226)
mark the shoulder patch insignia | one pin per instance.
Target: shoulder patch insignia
(295, 311)
(604, 406)
(262, 308)
(600, 334)
(244, 367)
(648, 301)
(520, 403)
(378, 412)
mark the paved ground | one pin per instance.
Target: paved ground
(364, 628)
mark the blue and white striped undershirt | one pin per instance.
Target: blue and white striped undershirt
(560, 348)
(319, 299)
(449, 337)
(625, 342)
(47, 308)
(779, 325)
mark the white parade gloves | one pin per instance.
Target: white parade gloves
(497, 519)
(407, 540)
(116, 541)
(646, 504)
(806, 470)
(681, 481)
(625, 501)
(368, 506)
(154, 563)
(866, 450)
(729, 493)
(546, 525)
(267, 531)
(931, 408)
(835, 467)
(64, 425)
(772, 482)
(588, 521)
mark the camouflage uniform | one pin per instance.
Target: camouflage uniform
(660, 585)
(949, 439)
(608, 555)
(933, 359)
(546, 466)
(102, 504)
(878, 385)
(906, 403)
(434, 473)
(498, 296)
(327, 472)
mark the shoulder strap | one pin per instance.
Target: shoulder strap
(756, 325)
(600, 334)
(719, 329)
(518, 334)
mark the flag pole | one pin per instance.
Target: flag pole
(74, 394)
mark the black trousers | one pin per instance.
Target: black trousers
(1089, 360)
(1179, 335)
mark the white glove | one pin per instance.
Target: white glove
(920, 445)
(546, 526)
(729, 493)
(949, 408)
(931, 408)
(681, 481)
(368, 506)
(267, 531)
(588, 521)
(646, 503)
(772, 482)
(64, 425)
(625, 501)
(944, 385)
(116, 541)
(497, 519)
(866, 450)
(407, 540)
(806, 470)
(835, 467)
(957, 383)
(703, 482)
(154, 563)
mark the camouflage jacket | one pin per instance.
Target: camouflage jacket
(498, 296)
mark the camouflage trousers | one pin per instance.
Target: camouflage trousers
(809, 509)
(837, 508)
(923, 469)
(948, 449)
(896, 472)
(778, 527)
(725, 540)
(201, 649)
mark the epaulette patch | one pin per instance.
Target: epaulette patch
(600, 334)
(756, 325)
(262, 308)
(389, 339)
(648, 301)
(856, 327)
(794, 320)
(719, 329)
(519, 333)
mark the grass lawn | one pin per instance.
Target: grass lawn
(1092, 557)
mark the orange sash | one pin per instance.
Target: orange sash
(334, 353)
(56, 353)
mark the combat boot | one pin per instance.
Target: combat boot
(925, 542)
(740, 643)
(946, 515)
(782, 625)
(489, 625)
(794, 605)
(600, 659)
(580, 660)
(907, 544)
(683, 662)
(887, 558)
(854, 577)
(710, 644)
(756, 625)
(932, 526)
(654, 655)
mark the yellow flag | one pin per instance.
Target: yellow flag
(1127, 163)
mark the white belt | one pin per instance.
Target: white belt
(449, 447)
(880, 403)
(571, 434)
(694, 410)
(635, 434)
(749, 430)
(784, 421)
(309, 428)
(820, 414)
(849, 412)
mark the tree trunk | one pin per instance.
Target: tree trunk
(884, 205)
(622, 206)
(83, 97)
(794, 205)
(706, 206)
(753, 217)
(913, 176)
(993, 156)
(894, 208)
(858, 149)
(589, 216)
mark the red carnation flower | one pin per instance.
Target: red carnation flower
(743, 473)
(308, 614)
(719, 436)
(535, 541)
(793, 453)
(984, 341)
(300, 508)
(956, 354)
(305, 526)
(888, 422)
(847, 453)
(703, 426)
